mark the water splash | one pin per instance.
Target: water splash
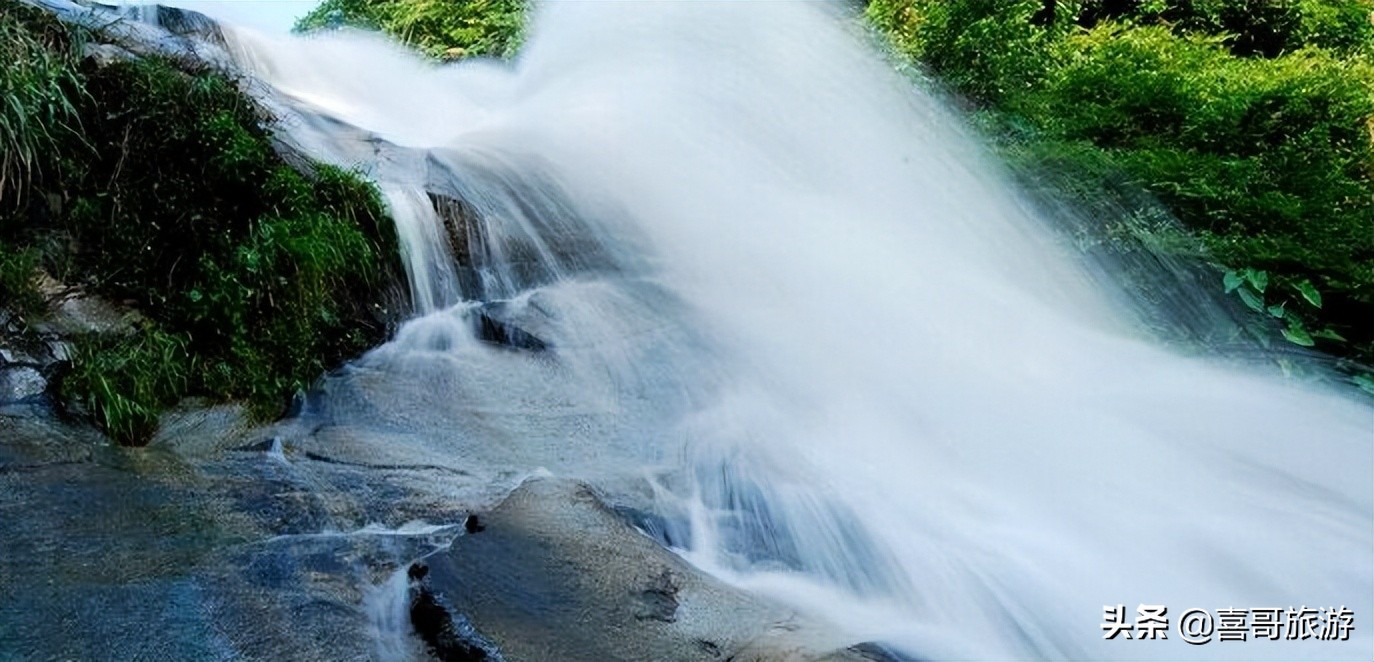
(862, 373)
(388, 615)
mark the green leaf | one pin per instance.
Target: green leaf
(1298, 336)
(1329, 334)
(1276, 310)
(1309, 293)
(1259, 279)
(1232, 280)
(1254, 301)
(1365, 382)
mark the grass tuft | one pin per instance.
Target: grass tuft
(39, 83)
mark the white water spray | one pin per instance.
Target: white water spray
(863, 374)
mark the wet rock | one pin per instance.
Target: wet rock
(187, 23)
(32, 439)
(473, 525)
(459, 225)
(73, 311)
(197, 426)
(496, 332)
(558, 575)
(659, 601)
(59, 350)
(110, 25)
(21, 383)
(104, 55)
(262, 446)
(878, 653)
(181, 551)
(449, 637)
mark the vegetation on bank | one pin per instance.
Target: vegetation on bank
(156, 186)
(1251, 121)
(446, 29)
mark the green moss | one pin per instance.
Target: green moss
(441, 28)
(167, 195)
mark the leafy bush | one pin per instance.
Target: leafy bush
(987, 50)
(1251, 121)
(1265, 28)
(442, 28)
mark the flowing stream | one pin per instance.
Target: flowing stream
(721, 256)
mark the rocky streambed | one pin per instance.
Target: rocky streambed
(303, 540)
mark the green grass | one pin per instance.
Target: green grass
(39, 83)
(127, 381)
(160, 189)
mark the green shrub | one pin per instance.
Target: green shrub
(987, 50)
(441, 28)
(1265, 28)
(1253, 126)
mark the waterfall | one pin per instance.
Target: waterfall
(720, 256)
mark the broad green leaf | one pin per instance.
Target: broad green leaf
(1259, 279)
(1254, 301)
(1309, 293)
(1231, 280)
(1276, 311)
(1298, 336)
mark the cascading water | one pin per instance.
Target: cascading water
(756, 270)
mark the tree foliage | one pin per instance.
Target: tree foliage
(442, 28)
